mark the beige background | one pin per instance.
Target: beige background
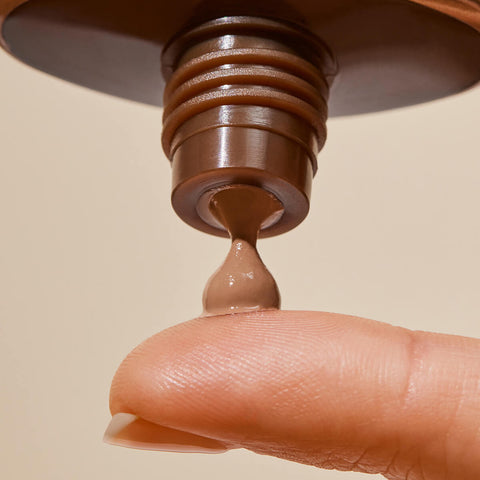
(93, 260)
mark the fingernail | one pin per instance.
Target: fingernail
(128, 430)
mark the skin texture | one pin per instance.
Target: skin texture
(323, 389)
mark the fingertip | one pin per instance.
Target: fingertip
(312, 386)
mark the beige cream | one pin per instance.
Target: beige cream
(243, 282)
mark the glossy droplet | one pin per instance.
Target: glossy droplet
(243, 283)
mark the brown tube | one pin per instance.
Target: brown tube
(245, 103)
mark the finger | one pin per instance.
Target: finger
(324, 389)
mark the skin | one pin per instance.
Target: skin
(328, 390)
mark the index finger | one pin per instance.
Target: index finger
(324, 389)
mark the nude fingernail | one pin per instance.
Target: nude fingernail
(128, 430)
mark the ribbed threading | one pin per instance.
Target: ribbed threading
(247, 61)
